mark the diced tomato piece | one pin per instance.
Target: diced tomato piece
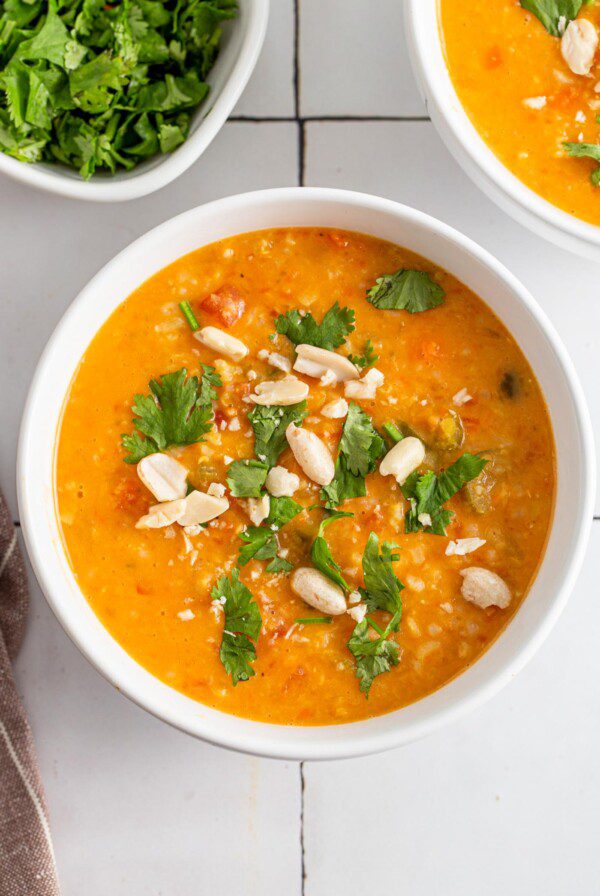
(220, 418)
(226, 304)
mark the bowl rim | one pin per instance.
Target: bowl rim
(260, 738)
(470, 149)
(168, 167)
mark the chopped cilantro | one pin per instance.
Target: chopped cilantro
(242, 626)
(382, 586)
(302, 329)
(279, 564)
(360, 448)
(373, 656)
(209, 381)
(550, 12)
(100, 86)
(321, 554)
(367, 358)
(269, 425)
(260, 542)
(406, 290)
(428, 492)
(587, 151)
(246, 478)
(176, 413)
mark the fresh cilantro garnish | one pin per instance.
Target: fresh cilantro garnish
(360, 448)
(279, 564)
(382, 586)
(242, 626)
(587, 151)
(260, 542)
(246, 478)
(321, 554)
(269, 425)
(302, 329)
(99, 86)
(367, 358)
(373, 656)
(209, 381)
(406, 290)
(176, 413)
(550, 12)
(428, 492)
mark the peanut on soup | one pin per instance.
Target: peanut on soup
(528, 75)
(304, 476)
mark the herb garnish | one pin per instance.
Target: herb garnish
(321, 554)
(246, 478)
(176, 413)
(313, 620)
(101, 86)
(406, 290)
(269, 425)
(550, 12)
(188, 312)
(279, 564)
(302, 329)
(373, 657)
(428, 492)
(367, 358)
(360, 448)
(260, 542)
(242, 626)
(587, 151)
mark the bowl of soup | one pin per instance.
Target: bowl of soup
(513, 89)
(306, 473)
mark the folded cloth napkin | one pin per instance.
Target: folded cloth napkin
(26, 858)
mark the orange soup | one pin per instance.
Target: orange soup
(304, 476)
(529, 80)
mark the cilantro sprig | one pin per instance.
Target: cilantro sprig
(177, 412)
(428, 492)
(368, 357)
(269, 425)
(406, 290)
(551, 12)
(302, 329)
(360, 448)
(246, 478)
(586, 151)
(99, 86)
(260, 542)
(242, 626)
(321, 555)
(373, 656)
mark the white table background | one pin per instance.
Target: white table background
(504, 802)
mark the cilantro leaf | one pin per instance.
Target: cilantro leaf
(367, 358)
(406, 290)
(269, 425)
(382, 586)
(428, 492)
(587, 151)
(550, 12)
(173, 414)
(260, 542)
(242, 626)
(373, 656)
(209, 381)
(246, 478)
(321, 555)
(360, 448)
(302, 329)
(280, 564)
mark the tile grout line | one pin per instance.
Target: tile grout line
(316, 119)
(302, 849)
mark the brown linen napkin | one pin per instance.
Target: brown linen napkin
(26, 857)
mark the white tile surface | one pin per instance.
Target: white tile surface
(407, 161)
(354, 60)
(270, 91)
(137, 808)
(51, 247)
(504, 802)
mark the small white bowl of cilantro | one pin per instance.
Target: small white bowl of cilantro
(111, 102)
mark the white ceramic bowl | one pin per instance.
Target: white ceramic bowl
(241, 44)
(445, 247)
(471, 151)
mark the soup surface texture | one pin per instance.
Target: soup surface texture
(447, 376)
(519, 90)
